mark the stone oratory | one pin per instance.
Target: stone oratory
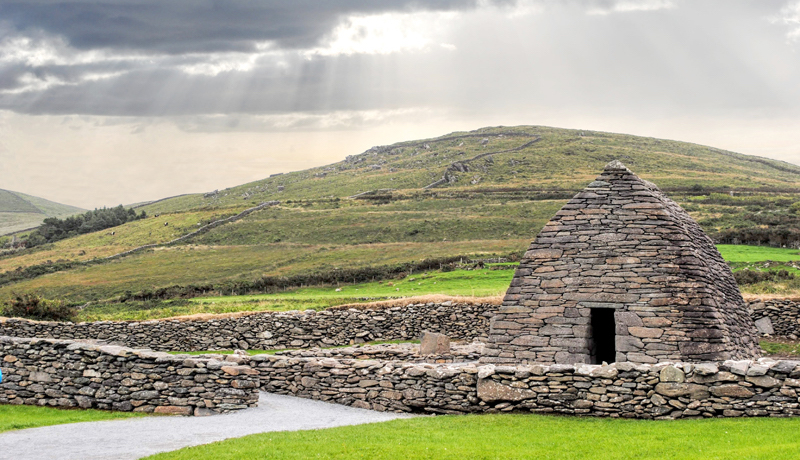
(621, 273)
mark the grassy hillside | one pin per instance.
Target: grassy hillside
(476, 194)
(19, 211)
(481, 282)
(551, 159)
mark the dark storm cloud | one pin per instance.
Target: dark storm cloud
(181, 26)
(188, 58)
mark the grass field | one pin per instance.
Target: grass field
(519, 437)
(789, 349)
(127, 236)
(472, 283)
(14, 417)
(204, 264)
(748, 254)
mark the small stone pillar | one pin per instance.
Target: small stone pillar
(432, 343)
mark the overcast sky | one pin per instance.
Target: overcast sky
(121, 101)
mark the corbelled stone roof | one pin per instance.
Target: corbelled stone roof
(621, 244)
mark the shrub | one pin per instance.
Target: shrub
(32, 306)
(753, 277)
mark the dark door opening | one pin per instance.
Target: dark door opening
(603, 336)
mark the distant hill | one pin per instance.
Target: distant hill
(19, 211)
(477, 194)
(507, 159)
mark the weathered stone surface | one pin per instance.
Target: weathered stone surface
(764, 326)
(432, 343)
(675, 390)
(731, 391)
(174, 410)
(238, 370)
(646, 332)
(706, 369)
(764, 381)
(490, 391)
(672, 374)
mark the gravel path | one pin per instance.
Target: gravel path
(140, 437)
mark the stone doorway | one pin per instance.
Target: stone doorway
(602, 347)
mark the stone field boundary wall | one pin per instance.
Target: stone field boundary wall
(405, 352)
(333, 327)
(273, 330)
(662, 391)
(784, 314)
(46, 372)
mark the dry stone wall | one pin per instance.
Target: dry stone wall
(273, 330)
(406, 352)
(784, 316)
(662, 391)
(46, 372)
(306, 330)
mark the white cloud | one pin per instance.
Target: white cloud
(790, 16)
(211, 65)
(627, 6)
(383, 34)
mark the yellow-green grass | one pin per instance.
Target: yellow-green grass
(154, 309)
(14, 417)
(741, 253)
(214, 264)
(519, 437)
(468, 283)
(472, 283)
(791, 349)
(127, 236)
(411, 220)
(561, 159)
(12, 222)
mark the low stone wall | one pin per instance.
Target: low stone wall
(784, 314)
(273, 330)
(406, 352)
(45, 372)
(304, 330)
(661, 391)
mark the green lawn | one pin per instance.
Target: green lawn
(14, 417)
(472, 283)
(519, 437)
(741, 253)
(784, 349)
